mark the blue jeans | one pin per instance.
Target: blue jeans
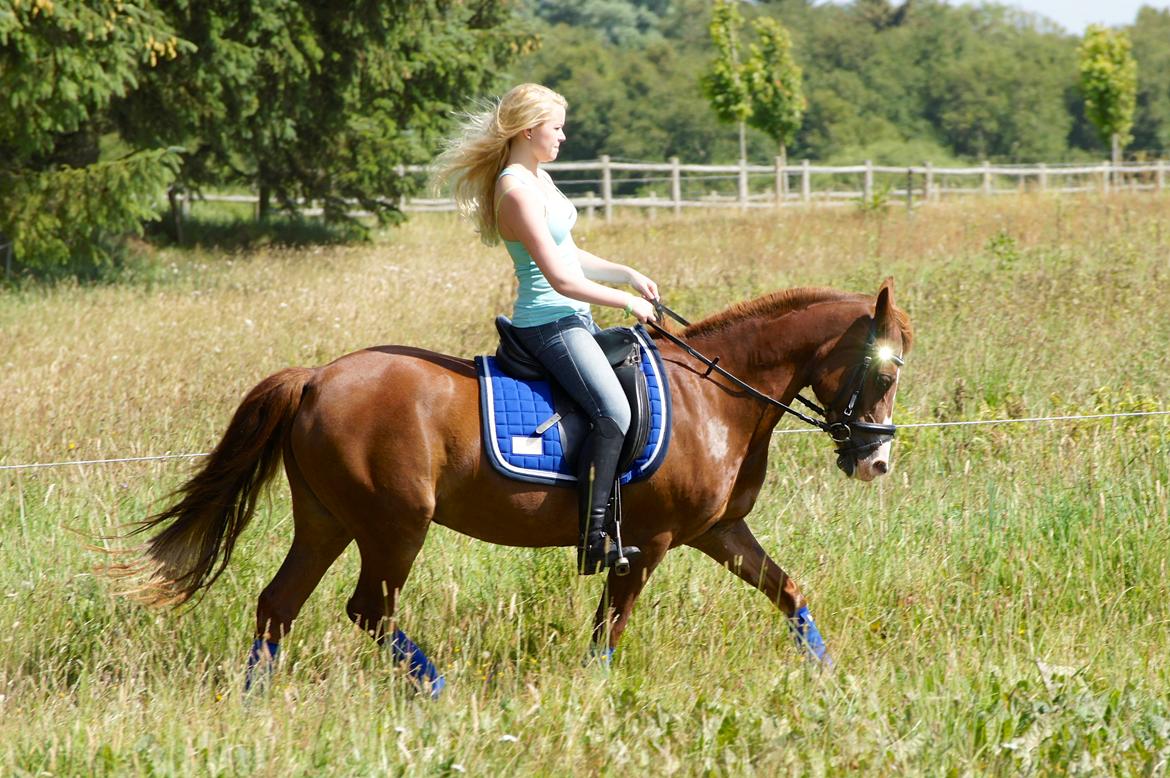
(569, 353)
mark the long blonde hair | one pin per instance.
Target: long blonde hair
(474, 156)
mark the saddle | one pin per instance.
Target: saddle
(624, 352)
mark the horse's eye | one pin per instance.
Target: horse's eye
(884, 382)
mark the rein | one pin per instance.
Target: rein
(840, 431)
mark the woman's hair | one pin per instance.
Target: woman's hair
(474, 156)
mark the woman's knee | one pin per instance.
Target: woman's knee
(619, 413)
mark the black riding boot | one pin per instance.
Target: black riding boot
(596, 471)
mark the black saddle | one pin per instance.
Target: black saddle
(620, 346)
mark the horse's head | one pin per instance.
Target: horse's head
(856, 378)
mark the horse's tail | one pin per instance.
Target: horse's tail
(201, 529)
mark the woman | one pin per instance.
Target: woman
(494, 170)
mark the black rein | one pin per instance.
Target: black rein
(841, 432)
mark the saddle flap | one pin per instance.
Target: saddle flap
(619, 344)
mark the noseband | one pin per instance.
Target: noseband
(843, 429)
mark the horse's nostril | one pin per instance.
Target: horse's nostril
(881, 466)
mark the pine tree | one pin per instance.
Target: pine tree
(62, 204)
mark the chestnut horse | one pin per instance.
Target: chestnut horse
(383, 443)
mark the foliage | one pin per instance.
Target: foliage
(726, 84)
(1150, 34)
(978, 82)
(774, 79)
(298, 100)
(61, 67)
(318, 102)
(622, 23)
(1109, 83)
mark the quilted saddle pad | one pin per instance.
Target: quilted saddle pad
(512, 409)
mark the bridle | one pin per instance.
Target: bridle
(843, 429)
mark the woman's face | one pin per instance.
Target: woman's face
(547, 136)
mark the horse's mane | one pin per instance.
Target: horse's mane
(786, 301)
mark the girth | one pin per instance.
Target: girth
(621, 348)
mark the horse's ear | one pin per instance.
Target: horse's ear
(885, 302)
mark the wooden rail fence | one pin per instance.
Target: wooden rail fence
(621, 184)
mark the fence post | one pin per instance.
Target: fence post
(909, 190)
(675, 186)
(805, 182)
(1160, 175)
(986, 176)
(590, 208)
(743, 185)
(606, 188)
(928, 183)
(1106, 169)
(1043, 177)
(867, 191)
(652, 210)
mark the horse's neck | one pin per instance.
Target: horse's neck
(775, 353)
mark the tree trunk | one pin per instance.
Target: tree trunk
(743, 140)
(784, 164)
(176, 215)
(1116, 159)
(264, 204)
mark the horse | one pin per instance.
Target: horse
(383, 443)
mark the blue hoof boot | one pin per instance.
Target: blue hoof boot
(261, 663)
(808, 637)
(421, 669)
(602, 657)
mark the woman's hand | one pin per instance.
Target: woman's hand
(643, 286)
(643, 310)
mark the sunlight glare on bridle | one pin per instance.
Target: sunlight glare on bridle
(886, 354)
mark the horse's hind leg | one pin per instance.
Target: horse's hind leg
(318, 539)
(388, 550)
(734, 546)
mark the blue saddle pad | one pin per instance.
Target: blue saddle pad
(511, 409)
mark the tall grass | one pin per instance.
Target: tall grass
(998, 604)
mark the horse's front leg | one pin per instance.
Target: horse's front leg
(735, 547)
(617, 601)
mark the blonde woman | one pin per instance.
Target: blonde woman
(494, 170)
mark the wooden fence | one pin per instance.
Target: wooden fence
(605, 185)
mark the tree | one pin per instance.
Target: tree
(316, 101)
(1151, 48)
(63, 204)
(725, 84)
(774, 81)
(1109, 83)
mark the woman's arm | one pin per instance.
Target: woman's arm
(600, 269)
(522, 214)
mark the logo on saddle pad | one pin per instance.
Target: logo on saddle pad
(531, 428)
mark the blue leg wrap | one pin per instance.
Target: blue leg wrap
(423, 670)
(808, 637)
(263, 652)
(602, 656)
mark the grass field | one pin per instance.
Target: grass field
(998, 604)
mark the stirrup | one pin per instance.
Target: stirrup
(613, 558)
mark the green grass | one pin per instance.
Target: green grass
(998, 604)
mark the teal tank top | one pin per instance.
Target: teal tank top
(536, 301)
